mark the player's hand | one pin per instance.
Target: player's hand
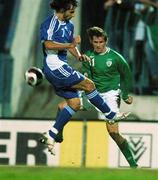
(129, 100)
(84, 57)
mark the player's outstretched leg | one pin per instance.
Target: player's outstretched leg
(98, 101)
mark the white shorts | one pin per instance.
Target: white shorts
(112, 99)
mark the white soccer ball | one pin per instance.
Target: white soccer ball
(34, 76)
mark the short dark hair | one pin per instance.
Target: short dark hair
(64, 5)
(96, 31)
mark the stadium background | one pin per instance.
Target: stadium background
(26, 112)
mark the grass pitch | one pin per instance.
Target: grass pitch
(51, 173)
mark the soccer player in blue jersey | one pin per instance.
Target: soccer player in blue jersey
(57, 37)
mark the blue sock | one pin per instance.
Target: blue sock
(98, 101)
(63, 117)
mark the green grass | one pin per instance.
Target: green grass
(51, 173)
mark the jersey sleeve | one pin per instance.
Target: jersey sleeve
(125, 77)
(43, 33)
(47, 28)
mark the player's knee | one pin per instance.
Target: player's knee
(75, 104)
(90, 86)
(62, 105)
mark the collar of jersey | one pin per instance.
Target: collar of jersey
(107, 51)
(60, 22)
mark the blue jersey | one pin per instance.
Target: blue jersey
(56, 69)
(53, 29)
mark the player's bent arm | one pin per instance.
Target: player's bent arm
(125, 79)
(81, 57)
(75, 52)
(51, 45)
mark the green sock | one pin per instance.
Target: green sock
(126, 150)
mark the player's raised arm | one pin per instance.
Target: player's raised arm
(76, 53)
(74, 50)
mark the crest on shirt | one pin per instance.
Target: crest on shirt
(109, 62)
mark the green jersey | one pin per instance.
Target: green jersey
(109, 71)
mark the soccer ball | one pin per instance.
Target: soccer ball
(34, 76)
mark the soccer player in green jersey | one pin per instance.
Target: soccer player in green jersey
(112, 77)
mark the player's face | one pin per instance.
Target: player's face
(70, 13)
(99, 44)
